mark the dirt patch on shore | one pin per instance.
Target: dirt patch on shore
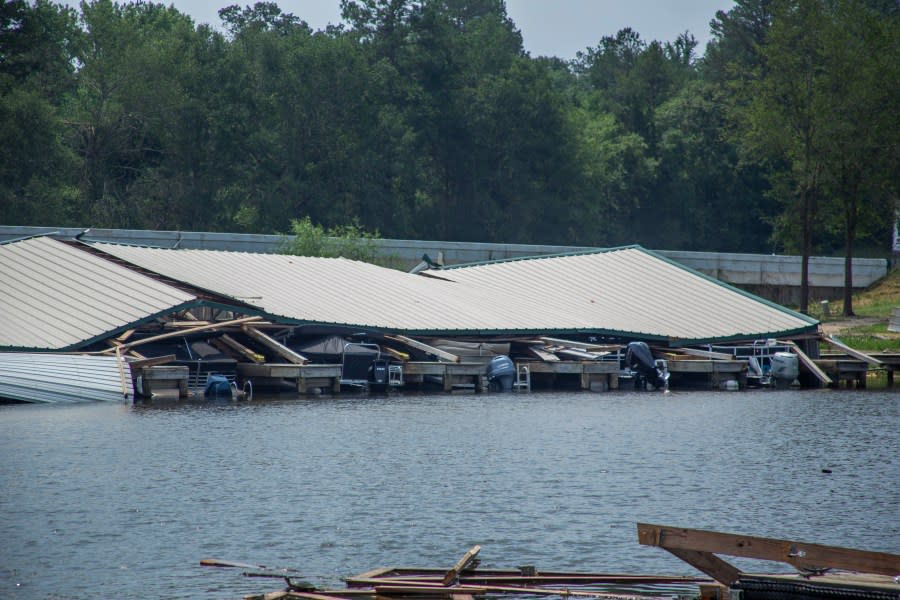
(835, 327)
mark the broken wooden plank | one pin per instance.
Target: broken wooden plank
(171, 334)
(152, 362)
(492, 579)
(576, 354)
(585, 346)
(809, 363)
(705, 353)
(463, 562)
(274, 345)
(425, 590)
(706, 562)
(397, 589)
(231, 343)
(543, 354)
(854, 353)
(424, 347)
(799, 554)
(124, 381)
(395, 353)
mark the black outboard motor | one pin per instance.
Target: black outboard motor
(638, 358)
(378, 374)
(500, 374)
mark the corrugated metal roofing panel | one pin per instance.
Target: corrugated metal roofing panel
(628, 291)
(32, 377)
(55, 296)
(634, 290)
(325, 290)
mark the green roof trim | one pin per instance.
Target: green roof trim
(540, 256)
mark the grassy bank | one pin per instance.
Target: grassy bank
(868, 330)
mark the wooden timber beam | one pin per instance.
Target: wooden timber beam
(461, 564)
(172, 334)
(226, 343)
(152, 362)
(705, 353)
(543, 354)
(230, 343)
(799, 554)
(809, 363)
(854, 353)
(277, 347)
(706, 562)
(424, 347)
(123, 381)
(584, 346)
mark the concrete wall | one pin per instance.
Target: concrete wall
(770, 276)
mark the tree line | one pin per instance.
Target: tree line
(427, 119)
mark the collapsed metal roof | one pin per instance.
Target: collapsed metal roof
(636, 292)
(55, 296)
(626, 292)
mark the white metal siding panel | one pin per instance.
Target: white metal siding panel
(54, 296)
(63, 378)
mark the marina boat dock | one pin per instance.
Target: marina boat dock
(174, 324)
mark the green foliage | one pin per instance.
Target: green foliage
(347, 241)
(428, 120)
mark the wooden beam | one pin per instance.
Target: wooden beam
(587, 347)
(576, 354)
(395, 353)
(543, 354)
(120, 362)
(705, 562)
(424, 347)
(171, 334)
(152, 362)
(409, 590)
(799, 554)
(854, 353)
(231, 343)
(461, 564)
(276, 346)
(809, 363)
(705, 353)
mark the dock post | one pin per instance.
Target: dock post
(447, 380)
(613, 381)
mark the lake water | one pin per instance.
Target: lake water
(103, 501)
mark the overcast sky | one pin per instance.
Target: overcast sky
(549, 27)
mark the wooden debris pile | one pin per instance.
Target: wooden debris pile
(464, 581)
(554, 349)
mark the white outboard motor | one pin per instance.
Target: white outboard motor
(500, 373)
(785, 368)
